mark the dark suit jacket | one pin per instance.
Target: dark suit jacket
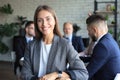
(19, 44)
(77, 43)
(105, 62)
(61, 53)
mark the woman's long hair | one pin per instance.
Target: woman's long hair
(56, 30)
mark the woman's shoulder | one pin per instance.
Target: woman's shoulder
(61, 40)
(34, 42)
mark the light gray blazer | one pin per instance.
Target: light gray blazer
(61, 53)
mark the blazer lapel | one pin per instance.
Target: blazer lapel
(52, 54)
(73, 38)
(36, 57)
(25, 41)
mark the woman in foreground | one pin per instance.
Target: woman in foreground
(48, 56)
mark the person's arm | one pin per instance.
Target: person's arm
(88, 50)
(98, 59)
(77, 69)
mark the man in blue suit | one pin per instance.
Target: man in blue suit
(76, 41)
(105, 60)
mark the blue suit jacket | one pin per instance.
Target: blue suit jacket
(77, 43)
(105, 61)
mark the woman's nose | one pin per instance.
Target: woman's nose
(44, 23)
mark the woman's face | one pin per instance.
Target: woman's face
(46, 22)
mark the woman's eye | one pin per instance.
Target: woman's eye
(48, 19)
(39, 20)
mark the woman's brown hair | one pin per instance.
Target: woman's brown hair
(56, 31)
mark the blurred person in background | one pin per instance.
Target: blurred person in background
(105, 58)
(76, 41)
(20, 43)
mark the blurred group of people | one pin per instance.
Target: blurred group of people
(43, 53)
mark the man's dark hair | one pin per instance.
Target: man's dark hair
(28, 23)
(94, 18)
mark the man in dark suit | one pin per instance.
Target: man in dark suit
(20, 43)
(75, 40)
(105, 59)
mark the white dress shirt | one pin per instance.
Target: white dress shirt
(28, 39)
(44, 54)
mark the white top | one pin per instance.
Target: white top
(44, 54)
(117, 77)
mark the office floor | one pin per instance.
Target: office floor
(6, 71)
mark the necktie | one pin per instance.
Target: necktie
(29, 41)
(68, 39)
